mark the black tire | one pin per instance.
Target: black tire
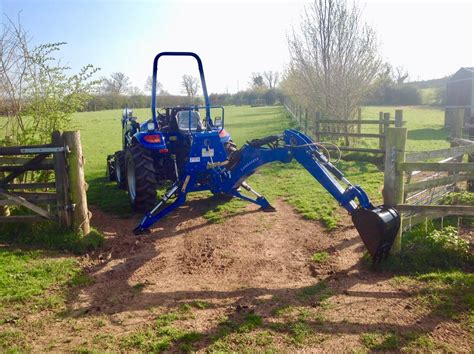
(120, 169)
(141, 178)
(110, 171)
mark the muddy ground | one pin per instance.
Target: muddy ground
(255, 265)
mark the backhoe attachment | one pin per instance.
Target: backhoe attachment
(209, 168)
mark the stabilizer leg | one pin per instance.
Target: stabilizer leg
(261, 200)
(154, 216)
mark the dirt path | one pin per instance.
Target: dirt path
(255, 262)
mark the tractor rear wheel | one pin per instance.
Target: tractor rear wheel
(110, 171)
(141, 178)
(120, 169)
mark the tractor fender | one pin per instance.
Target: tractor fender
(158, 144)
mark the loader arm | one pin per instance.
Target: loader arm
(377, 226)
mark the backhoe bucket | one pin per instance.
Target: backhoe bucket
(377, 227)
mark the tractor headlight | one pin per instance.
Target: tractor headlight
(150, 126)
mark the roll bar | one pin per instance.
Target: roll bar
(201, 74)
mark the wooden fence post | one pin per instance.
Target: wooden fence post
(61, 182)
(306, 121)
(386, 125)
(381, 140)
(398, 118)
(4, 209)
(299, 115)
(77, 183)
(359, 118)
(393, 189)
(470, 157)
(317, 126)
(457, 124)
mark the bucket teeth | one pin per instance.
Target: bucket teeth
(377, 227)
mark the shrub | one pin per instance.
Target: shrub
(430, 251)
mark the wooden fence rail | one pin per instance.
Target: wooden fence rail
(318, 127)
(399, 165)
(58, 195)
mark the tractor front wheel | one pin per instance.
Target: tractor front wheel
(141, 178)
(120, 169)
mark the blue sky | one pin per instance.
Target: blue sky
(236, 38)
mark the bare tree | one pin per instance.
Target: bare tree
(117, 84)
(400, 75)
(334, 59)
(256, 81)
(37, 94)
(190, 85)
(134, 91)
(159, 86)
(14, 68)
(271, 78)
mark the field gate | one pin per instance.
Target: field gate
(415, 185)
(47, 181)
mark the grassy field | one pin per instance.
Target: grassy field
(425, 127)
(100, 133)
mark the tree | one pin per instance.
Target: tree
(256, 81)
(37, 94)
(134, 91)
(117, 84)
(401, 74)
(159, 86)
(334, 59)
(271, 78)
(190, 85)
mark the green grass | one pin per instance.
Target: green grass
(320, 257)
(427, 248)
(24, 275)
(50, 235)
(377, 341)
(425, 126)
(30, 282)
(162, 335)
(409, 341)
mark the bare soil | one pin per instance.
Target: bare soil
(254, 262)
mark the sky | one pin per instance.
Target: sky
(429, 38)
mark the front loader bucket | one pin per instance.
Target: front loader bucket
(377, 227)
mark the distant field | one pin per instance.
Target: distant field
(425, 126)
(101, 131)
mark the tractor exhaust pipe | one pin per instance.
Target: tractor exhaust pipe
(378, 227)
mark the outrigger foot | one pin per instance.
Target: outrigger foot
(268, 209)
(140, 231)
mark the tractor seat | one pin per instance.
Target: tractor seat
(189, 121)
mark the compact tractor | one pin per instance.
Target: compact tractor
(196, 154)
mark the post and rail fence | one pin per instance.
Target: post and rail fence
(318, 127)
(415, 185)
(47, 181)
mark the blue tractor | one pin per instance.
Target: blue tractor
(198, 155)
(156, 151)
